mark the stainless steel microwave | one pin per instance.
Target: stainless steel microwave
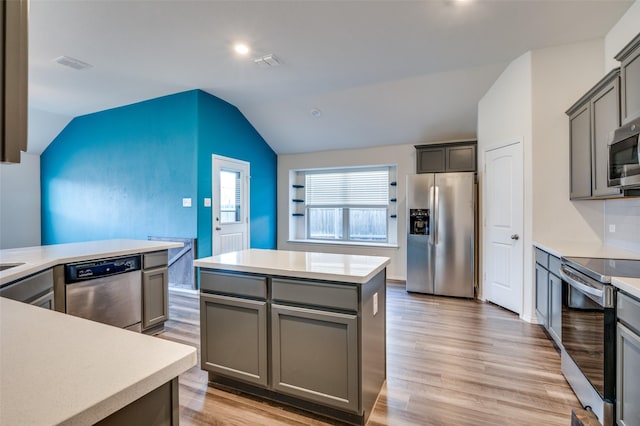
(624, 156)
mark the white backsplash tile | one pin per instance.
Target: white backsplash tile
(625, 216)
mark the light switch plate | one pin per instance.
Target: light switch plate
(612, 228)
(207, 202)
(186, 202)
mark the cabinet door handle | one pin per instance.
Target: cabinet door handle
(218, 228)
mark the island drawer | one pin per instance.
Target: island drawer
(336, 296)
(235, 284)
(155, 259)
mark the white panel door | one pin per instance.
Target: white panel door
(230, 205)
(503, 207)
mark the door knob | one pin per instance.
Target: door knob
(515, 237)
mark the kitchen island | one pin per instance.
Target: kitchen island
(304, 329)
(60, 369)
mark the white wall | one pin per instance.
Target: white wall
(528, 103)
(403, 156)
(622, 33)
(624, 214)
(561, 75)
(20, 203)
(504, 117)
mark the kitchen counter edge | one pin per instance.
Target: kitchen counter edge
(572, 249)
(296, 270)
(39, 258)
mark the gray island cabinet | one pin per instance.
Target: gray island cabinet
(304, 329)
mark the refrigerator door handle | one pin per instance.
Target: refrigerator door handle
(436, 208)
(432, 222)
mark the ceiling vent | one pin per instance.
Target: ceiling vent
(76, 64)
(267, 61)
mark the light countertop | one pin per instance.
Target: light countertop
(57, 368)
(38, 258)
(575, 249)
(321, 266)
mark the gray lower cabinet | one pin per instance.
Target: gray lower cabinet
(36, 290)
(328, 341)
(542, 295)
(234, 337)
(555, 308)
(155, 289)
(155, 292)
(548, 290)
(628, 361)
(313, 344)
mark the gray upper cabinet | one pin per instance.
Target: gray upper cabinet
(13, 79)
(629, 59)
(580, 153)
(450, 157)
(591, 121)
(605, 118)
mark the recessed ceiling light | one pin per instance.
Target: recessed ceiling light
(315, 113)
(241, 48)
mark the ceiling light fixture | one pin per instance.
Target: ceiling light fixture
(74, 63)
(269, 60)
(315, 113)
(241, 48)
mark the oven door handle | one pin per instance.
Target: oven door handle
(585, 288)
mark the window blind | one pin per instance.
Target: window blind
(348, 188)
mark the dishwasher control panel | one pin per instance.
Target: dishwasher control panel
(100, 268)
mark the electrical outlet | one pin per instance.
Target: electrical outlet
(375, 304)
(612, 228)
(186, 202)
(207, 202)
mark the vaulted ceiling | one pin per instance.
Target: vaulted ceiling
(379, 72)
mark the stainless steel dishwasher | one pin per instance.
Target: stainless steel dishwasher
(107, 291)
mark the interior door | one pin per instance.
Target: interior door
(230, 205)
(503, 186)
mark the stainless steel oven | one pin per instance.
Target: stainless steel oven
(589, 330)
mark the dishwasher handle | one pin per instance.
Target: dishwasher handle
(92, 270)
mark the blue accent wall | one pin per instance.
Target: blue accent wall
(223, 130)
(122, 173)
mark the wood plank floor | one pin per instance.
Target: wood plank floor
(449, 362)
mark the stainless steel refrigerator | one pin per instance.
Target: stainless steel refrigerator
(441, 222)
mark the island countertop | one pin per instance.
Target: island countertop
(38, 258)
(61, 369)
(321, 266)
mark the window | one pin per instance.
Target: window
(229, 196)
(350, 205)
